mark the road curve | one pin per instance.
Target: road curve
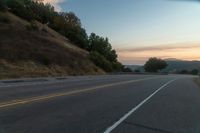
(102, 104)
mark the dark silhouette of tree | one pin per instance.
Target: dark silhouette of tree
(154, 65)
(194, 72)
(3, 5)
(126, 69)
(102, 46)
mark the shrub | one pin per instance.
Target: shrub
(154, 65)
(194, 72)
(117, 66)
(101, 61)
(21, 8)
(4, 18)
(32, 26)
(3, 5)
(126, 69)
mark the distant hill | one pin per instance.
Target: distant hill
(32, 49)
(133, 67)
(174, 65)
(178, 65)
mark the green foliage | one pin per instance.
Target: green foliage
(101, 61)
(137, 71)
(102, 46)
(32, 26)
(21, 8)
(154, 65)
(126, 69)
(69, 25)
(117, 66)
(194, 72)
(3, 5)
(4, 18)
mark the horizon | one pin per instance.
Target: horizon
(139, 30)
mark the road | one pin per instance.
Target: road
(102, 104)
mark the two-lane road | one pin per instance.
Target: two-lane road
(97, 104)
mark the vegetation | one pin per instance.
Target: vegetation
(102, 53)
(42, 52)
(154, 65)
(32, 26)
(126, 69)
(3, 5)
(192, 72)
(4, 18)
(67, 24)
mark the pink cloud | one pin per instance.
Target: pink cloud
(140, 55)
(55, 3)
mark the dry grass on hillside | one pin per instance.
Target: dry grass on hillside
(26, 52)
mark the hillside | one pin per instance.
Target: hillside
(32, 50)
(178, 65)
(174, 66)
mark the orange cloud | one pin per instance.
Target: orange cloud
(140, 55)
(55, 3)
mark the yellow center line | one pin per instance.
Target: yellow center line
(50, 96)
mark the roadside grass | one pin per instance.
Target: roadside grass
(197, 81)
(4, 18)
(25, 69)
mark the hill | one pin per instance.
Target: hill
(174, 66)
(179, 65)
(31, 49)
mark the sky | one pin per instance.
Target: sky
(140, 29)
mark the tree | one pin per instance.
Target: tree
(126, 69)
(3, 5)
(69, 25)
(194, 72)
(101, 61)
(21, 8)
(102, 46)
(154, 65)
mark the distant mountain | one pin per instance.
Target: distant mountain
(133, 67)
(139, 68)
(178, 65)
(174, 65)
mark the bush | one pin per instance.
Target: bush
(117, 66)
(4, 18)
(194, 72)
(3, 5)
(154, 65)
(126, 69)
(101, 61)
(21, 8)
(32, 26)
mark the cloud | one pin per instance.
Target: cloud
(140, 55)
(55, 3)
(161, 47)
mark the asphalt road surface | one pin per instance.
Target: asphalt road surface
(101, 104)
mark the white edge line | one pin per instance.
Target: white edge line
(111, 128)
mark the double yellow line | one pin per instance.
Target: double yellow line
(55, 95)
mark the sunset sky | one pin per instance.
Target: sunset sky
(139, 29)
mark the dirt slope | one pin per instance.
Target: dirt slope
(33, 50)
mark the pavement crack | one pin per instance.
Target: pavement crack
(147, 127)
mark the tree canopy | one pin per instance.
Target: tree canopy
(70, 26)
(154, 65)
